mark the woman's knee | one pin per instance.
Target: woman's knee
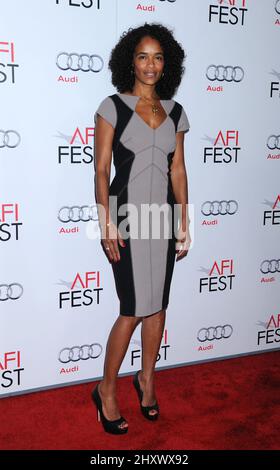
(130, 320)
(157, 316)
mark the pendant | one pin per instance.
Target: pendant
(154, 108)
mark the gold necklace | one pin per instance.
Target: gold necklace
(155, 107)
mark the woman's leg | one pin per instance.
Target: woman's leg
(151, 333)
(117, 344)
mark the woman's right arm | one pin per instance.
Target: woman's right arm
(103, 140)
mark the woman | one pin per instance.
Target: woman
(144, 128)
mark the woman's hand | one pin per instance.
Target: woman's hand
(110, 241)
(183, 243)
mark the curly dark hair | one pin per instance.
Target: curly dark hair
(121, 59)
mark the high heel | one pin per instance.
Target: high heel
(111, 427)
(145, 409)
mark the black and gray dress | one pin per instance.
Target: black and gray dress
(142, 157)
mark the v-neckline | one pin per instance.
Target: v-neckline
(141, 119)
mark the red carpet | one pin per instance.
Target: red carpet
(228, 404)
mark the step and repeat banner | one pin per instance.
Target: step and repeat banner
(57, 294)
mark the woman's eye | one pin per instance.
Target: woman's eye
(160, 58)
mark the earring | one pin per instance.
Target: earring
(162, 75)
(132, 70)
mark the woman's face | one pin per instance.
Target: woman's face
(148, 60)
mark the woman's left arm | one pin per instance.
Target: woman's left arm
(180, 189)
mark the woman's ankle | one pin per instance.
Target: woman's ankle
(146, 379)
(107, 388)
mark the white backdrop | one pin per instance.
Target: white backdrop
(57, 294)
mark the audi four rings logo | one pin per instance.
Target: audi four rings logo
(80, 353)
(270, 266)
(10, 291)
(277, 7)
(83, 62)
(77, 214)
(9, 139)
(219, 207)
(273, 141)
(214, 332)
(226, 73)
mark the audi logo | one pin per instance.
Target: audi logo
(9, 139)
(270, 266)
(10, 291)
(219, 207)
(77, 214)
(273, 141)
(226, 73)
(214, 332)
(277, 7)
(80, 353)
(83, 62)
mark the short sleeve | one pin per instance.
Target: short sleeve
(183, 124)
(107, 110)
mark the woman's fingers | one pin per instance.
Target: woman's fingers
(181, 254)
(107, 246)
(115, 249)
(112, 249)
(112, 245)
(121, 242)
(182, 248)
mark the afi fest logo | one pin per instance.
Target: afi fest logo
(82, 292)
(79, 148)
(7, 62)
(275, 85)
(272, 216)
(270, 334)
(80, 3)
(10, 369)
(135, 354)
(224, 148)
(219, 277)
(9, 222)
(231, 12)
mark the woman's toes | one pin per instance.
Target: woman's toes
(123, 425)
